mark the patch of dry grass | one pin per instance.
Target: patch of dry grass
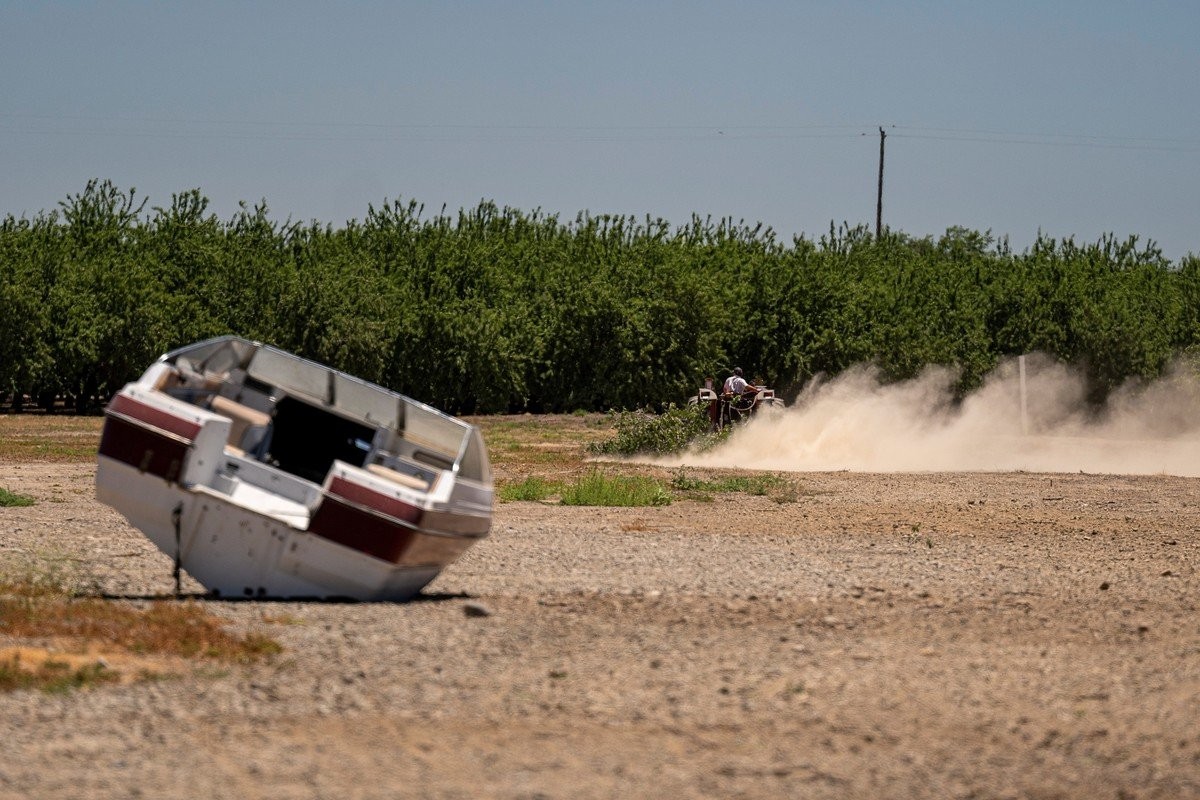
(49, 437)
(549, 446)
(36, 668)
(87, 635)
(539, 457)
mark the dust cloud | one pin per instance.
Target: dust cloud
(857, 423)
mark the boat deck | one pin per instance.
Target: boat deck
(261, 501)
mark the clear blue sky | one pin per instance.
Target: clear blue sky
(1076, 118)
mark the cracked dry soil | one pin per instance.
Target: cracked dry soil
(931, 635)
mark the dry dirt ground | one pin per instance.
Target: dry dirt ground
(930, 635)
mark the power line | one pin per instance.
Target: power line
(417, 132)
(712, 129)
(356, 131)
(532, 135)
(1149, 144)
(1085, 136)
(190, 121)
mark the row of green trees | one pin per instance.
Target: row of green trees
(496, 309)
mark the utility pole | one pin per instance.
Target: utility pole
(879, 200)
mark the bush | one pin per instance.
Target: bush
(643, 432)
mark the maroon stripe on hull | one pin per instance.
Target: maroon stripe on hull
(449, 522)
(374, 523)
(432, 550)
(373, 534)
(143, 447)
(123, 404)
(366, 496)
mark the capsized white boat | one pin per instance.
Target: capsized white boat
(267, 475)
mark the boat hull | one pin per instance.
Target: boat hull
(271, 476)
(237, 553)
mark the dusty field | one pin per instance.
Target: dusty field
(936, 635)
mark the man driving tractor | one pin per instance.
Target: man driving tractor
(736, 385)
(737, 399)
(736, 395)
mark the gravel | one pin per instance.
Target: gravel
(956, 635)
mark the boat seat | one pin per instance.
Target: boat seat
(246, 420)
(398, 477)
(167, 379)
(186, 384)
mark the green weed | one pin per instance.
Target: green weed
(598, 489)
(777, 487)
(533, 489)
(760, 485)
(12, 499)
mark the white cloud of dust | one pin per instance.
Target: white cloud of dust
(856, 423)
